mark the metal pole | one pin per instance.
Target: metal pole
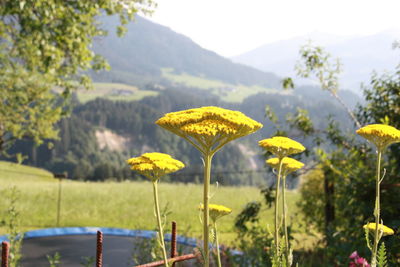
(174, 252)
(5, 251)
(59, 202)
(176, 259)
(99, 249)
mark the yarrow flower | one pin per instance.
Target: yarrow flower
(208, 129)
(385, 230)
(281, 146)
(208, 126)
(154, 165)
(380, 135)
(216, 211)
(288, 164)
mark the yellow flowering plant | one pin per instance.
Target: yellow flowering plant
(383, 229)
(282, 147)
(288, 165)
(381, 136)
(216, 212)
(154, 166)
(208, 129)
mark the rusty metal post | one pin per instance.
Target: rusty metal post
(99, 249)
(176, 259)
(5, 251)
(174, 251)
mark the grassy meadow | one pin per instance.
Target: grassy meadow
(114, 91)
(228, 92)
(125, 205)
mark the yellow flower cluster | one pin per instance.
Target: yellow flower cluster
(288, 164)
(281, 146)
(209, 122)
(386, 230)
(216, 211)
(154, 165)
(380, 135)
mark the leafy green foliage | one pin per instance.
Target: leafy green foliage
(256, 245)
(301, 121)
(46, 45)
(287, 83)
(381, 257)
(55, 260)
(12, 223)
(346, 184)
(248, 214)
(383, 98)
(316, 61)
(88, 261)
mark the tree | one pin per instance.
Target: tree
(347, 176)
(45, 53)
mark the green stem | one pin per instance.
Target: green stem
(276, 238)
(377, 208)
(160, 229)
(206, 214)
(284, 219)
(217, 244)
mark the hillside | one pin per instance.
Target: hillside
(360, 55)
(139, 57)
(13, 172)
(101, 134)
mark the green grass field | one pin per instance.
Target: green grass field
(11, 173)
(125, 205)
(114, 91)
(227, 92)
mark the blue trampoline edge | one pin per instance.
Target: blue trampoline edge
(65, 231)
(62, 231)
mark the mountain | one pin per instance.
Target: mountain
(99, 135)
(360, 55)
(148, 51)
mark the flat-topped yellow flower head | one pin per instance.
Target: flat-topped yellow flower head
(385, 230)
(209, 126)
(216, 211)
(154, 165)
(288, 164)
(380, 135)
(281, 146)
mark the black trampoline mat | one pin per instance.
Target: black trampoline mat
(118, 251)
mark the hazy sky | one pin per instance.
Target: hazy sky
(231, 27)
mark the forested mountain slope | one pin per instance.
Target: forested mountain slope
(101, 134)
(147, 48)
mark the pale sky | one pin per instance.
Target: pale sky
(232, 27)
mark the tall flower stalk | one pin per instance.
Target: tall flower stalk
(381, 136)
(216, 212)
(286, 166)
(281, 147)
(154, 166)
(208, 129)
